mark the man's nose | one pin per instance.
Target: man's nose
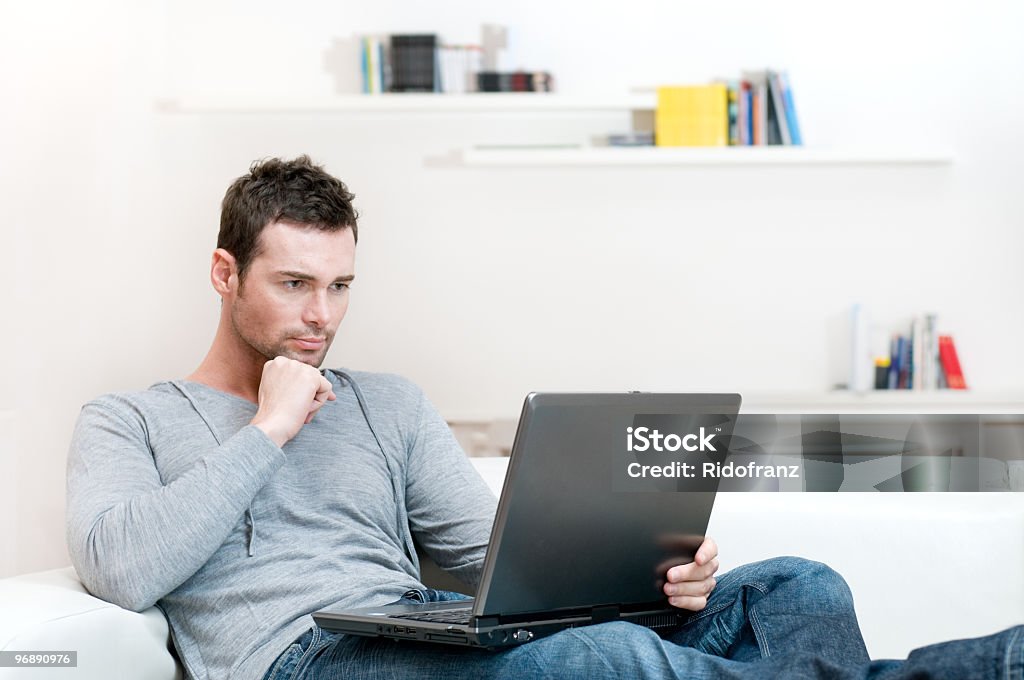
(317, 310)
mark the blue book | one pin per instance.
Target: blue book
(791, 121)
(894, 364)
(906, 376)
(749, 95)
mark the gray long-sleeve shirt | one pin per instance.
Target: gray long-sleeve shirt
(174, 500)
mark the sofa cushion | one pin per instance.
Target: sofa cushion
(52, 611)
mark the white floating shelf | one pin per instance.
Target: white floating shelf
(886, 401)
(667, 156)
(480, 102)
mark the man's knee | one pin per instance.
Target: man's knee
(619, 630)
(827, 586)
(604, 649)
(802, 580)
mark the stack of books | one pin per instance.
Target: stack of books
(458, 66)
(515, 81)
(923, 359)
(420, 63)
(400, 63)
(756, 110)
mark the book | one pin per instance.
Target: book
(364, 63)
(778, 112)
(894, 363)
(773, 136)
(692, 115)
(917, 356)
(860, 371)
(931, 366)
(904, 359)
(413, 63)
(743, 120)
(630, 139)
(791, 119)
(951, 363)
(376, 70)
(758, 105)
(371, 65)
(882, 373)
(732, 89)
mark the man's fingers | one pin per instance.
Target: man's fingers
(691, 588)
(692, 571)
(322, 397)
(314, 407)
(324, 390)
(693, 604)
(707, 551)
(319, 399)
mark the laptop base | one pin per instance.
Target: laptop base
(489, 632)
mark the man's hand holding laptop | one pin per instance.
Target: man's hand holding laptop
(689, 585)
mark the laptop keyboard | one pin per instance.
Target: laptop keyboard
(462, 616)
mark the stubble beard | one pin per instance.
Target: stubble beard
(268, 349)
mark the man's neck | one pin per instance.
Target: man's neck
(231, 366)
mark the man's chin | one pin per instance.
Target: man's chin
(313, 358)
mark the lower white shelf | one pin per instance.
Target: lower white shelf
(502, 426)
(681, 156)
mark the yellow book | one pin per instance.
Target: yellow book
(692, 115)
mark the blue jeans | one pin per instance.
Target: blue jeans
(780, 618)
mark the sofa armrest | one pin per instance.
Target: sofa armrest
(52, 611)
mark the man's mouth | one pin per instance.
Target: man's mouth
(310, 343)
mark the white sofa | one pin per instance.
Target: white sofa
(923, 568)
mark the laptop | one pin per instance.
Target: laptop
(585, 530)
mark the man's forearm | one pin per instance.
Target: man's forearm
(133, 550)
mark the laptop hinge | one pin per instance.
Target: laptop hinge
(607, 612)
(485, 621)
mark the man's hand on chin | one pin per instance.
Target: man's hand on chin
(689, 585)
(290, 394)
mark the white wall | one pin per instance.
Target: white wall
(482, 284)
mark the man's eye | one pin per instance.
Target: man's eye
(339, 286)
(292, 284)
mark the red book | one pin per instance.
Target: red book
(755, 108)
(951, 363)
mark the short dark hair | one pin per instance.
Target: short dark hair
(275, 190)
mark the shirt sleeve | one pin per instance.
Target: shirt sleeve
(451, 509)
(132, 538)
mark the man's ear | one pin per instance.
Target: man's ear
(224, 273)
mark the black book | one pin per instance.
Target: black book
(774, 133)
(413, 62)
(487, 81)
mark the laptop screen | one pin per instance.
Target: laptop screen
(578, 526)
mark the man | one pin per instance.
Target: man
(259, 490)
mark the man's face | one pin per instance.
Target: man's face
(295, 292)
